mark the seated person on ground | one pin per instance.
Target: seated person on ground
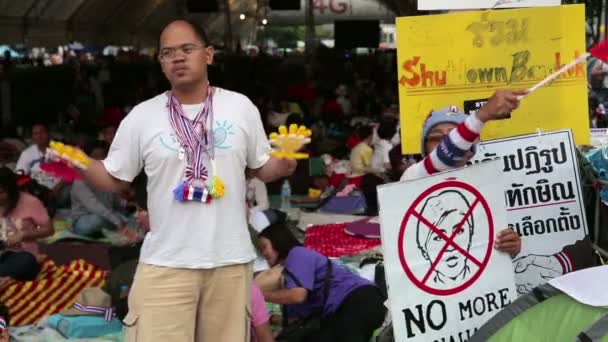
(26, 220)
(399, 162)
(361, 155)
(92, 209)
(354, 307)
(380, 158)
(29, 164)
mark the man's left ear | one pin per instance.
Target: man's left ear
(210, 54)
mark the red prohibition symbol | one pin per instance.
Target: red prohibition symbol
(413, 216)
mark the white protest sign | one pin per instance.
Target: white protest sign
(445, 278)
(543, 198)
(428, 5)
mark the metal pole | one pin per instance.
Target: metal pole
(604, 11)
(310, 28)
(228, 33)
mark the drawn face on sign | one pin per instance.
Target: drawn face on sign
(446, 211)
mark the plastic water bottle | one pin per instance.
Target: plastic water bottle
(124, 291)
(285, 196)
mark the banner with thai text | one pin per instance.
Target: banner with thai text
(462, 58)
(543, 199)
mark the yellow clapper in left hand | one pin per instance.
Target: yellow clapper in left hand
(287, 142)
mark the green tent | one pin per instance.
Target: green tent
(546, 314)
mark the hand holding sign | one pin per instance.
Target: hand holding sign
(500, 105)
(508, 241)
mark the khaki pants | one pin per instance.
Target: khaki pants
(184, 305)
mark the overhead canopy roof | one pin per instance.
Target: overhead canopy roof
(54, 22)
(48, 22)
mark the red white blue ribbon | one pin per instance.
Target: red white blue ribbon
(197, 146)
(3, 325)
(108, 313)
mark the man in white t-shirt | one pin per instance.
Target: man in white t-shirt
(29, 164)
(193, 282)
(382, 146)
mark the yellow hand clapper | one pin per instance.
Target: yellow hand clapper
(70, 154)
(286, 143)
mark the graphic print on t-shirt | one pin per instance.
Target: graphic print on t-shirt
(223, 130)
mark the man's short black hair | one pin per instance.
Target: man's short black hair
(386, 130)
(196, 27)
(42, 124)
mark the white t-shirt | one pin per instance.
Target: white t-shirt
(29, 163)
(381, 155)
(192, 234)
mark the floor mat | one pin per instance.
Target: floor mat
(330, 240)
(63, 232)
(54, 290)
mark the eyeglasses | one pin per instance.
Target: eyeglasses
(169, 54)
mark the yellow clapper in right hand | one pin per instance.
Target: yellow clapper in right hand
(287, 143)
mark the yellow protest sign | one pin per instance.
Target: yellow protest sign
(462, 58)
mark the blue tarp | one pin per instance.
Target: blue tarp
(14, 54)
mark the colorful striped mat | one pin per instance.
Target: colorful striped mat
(53, 291)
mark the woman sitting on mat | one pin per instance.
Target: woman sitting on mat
(24, 220)
(351, 307)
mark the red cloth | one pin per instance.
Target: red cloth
(330, 240)
(60, 169)
(304, 92)
(331, 107)
(335, 179)
(112, 116)
(353, 141)
(356, 181)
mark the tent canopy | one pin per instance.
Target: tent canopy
(137, 22)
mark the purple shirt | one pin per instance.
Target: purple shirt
(310, 268)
